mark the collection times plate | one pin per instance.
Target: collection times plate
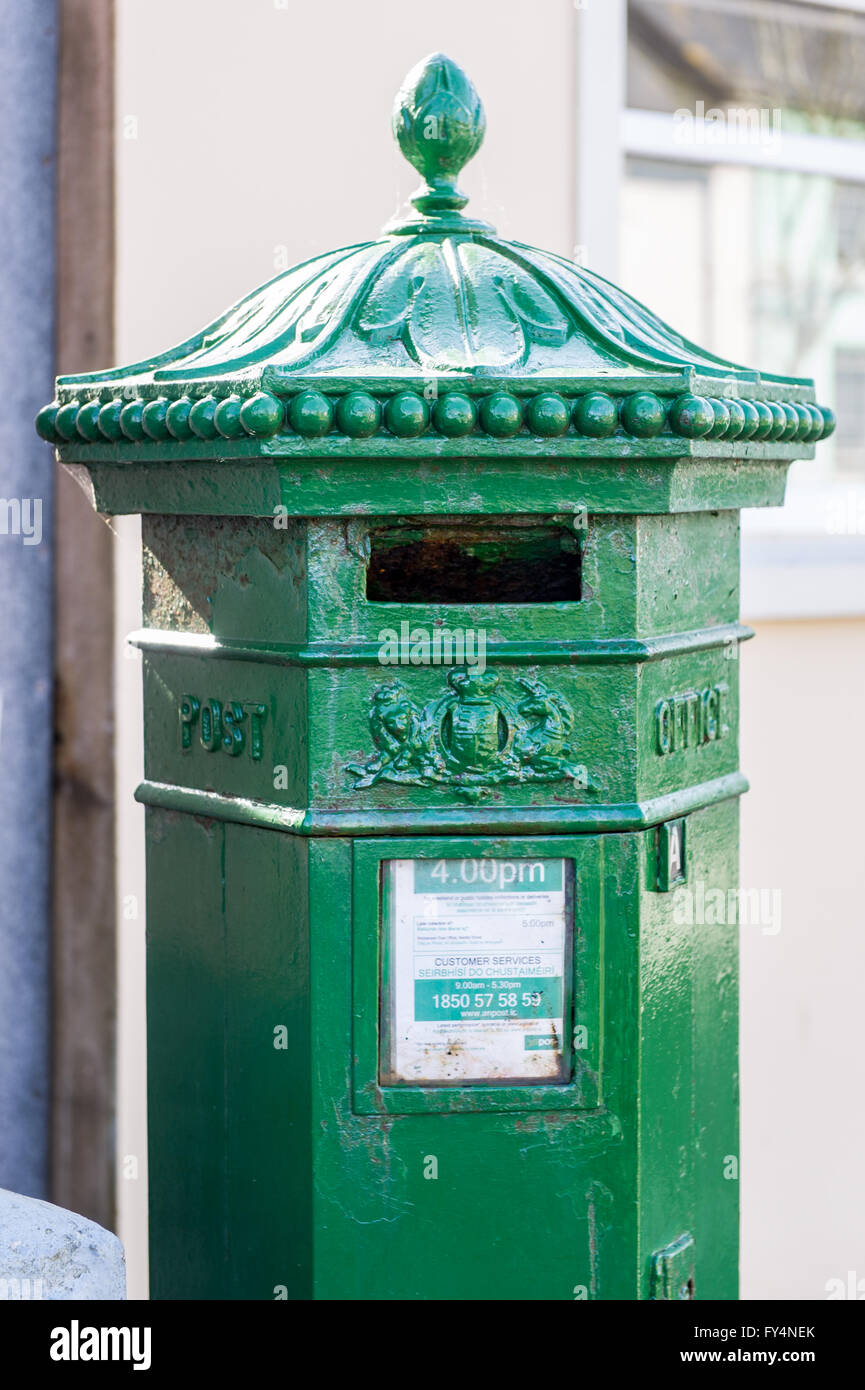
(476, 970)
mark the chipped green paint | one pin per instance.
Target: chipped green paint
(477, 408)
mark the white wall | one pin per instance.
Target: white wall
(802, 1059)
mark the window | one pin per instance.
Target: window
(850, 398)
(757, 117)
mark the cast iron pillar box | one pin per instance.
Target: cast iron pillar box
(440, 644)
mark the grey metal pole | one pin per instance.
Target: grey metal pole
(28, 66)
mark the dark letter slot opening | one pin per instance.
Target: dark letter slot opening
(474, 564)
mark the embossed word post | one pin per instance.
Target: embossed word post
(423, 1019)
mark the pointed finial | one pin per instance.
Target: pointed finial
(439, 123)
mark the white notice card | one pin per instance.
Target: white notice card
(476, 970)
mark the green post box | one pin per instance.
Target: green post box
(440, 637)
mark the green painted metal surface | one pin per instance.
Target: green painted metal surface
(387, 451)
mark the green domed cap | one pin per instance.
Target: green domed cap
(348, 353)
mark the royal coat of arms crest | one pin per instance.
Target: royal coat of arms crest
(472, 737)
